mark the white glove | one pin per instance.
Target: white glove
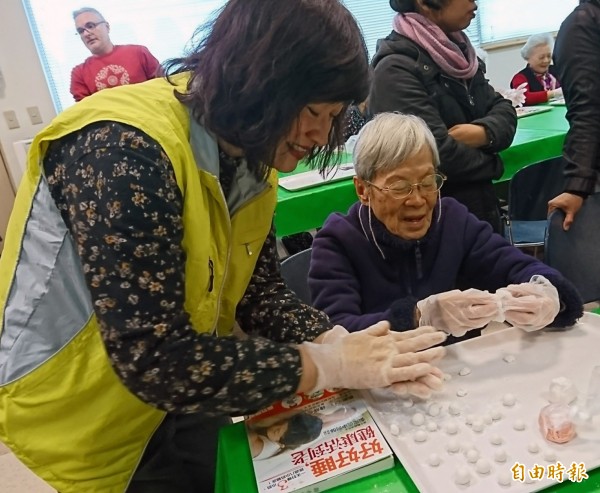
(515, 96)
(555, 93)
(374, 357)
(334, 334)
(531, 305)
(422, 386)
(455, 312)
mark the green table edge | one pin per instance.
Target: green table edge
(234, 466)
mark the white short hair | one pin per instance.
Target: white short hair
(388, 140)
(535, 40)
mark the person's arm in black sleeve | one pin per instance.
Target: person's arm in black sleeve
(577, 59)
(500, 122)
(269, 308)
(117, 193)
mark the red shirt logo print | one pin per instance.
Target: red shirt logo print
(111, 76)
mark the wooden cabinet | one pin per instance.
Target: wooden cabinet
(7, 199)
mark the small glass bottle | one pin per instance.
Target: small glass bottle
(556, 424)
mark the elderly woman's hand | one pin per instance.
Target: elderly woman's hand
(455, 312)
(531, 305)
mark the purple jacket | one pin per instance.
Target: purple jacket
(351, 281)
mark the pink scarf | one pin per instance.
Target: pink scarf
(434, 41)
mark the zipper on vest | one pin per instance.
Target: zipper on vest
(248, 251)
(211, 274)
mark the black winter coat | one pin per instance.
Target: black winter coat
(577, 59)
(406, 79)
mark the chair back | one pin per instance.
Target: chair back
(574, 253)
(294, 271)
(532, 187)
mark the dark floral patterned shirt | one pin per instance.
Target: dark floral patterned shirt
(116, 190)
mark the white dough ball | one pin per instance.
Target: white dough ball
(454, 409)
(519, 425)
(472, 455)
(408, 403)
(431, 426)
(451, 427)
(496, 439)
(434, 409)
(420, 436)
(509, 358)
(549, 455)
(453, 446)
(500, 456)
(418, 419)
(394, 429)
(483, 466)
(434, 460)
(533, 448)
(462, 476)
(478, 425)
(509, 400)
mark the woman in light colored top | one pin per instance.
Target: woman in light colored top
(539, 75)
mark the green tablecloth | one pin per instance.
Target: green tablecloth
(235, 475)
(538, 137)
(550, 120)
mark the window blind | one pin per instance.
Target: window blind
(166, 27)
(163, 27)
(500, 20)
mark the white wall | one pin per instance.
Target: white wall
(24, 84)
(502, 64)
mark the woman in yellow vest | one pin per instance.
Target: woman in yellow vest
(142, 235)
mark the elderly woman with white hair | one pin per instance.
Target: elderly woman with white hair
(403, 254)
(539, 75)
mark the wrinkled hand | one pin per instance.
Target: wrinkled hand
(569, 204)
(555, 93)
(375, 357)
(455, 312)
(531, 305)
(469, 134)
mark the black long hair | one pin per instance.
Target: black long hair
(411, 5)
(260, 62)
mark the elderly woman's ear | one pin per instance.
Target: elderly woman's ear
(362, 190)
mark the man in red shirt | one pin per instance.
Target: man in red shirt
(110, 65)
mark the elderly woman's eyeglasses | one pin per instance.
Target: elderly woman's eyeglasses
(88, 26)
(402, 189)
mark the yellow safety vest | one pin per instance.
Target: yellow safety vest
(63, 410)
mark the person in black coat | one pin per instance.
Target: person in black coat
(577, 58)
(428, 67)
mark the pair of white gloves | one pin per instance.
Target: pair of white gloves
(378, 357)
(530, 306)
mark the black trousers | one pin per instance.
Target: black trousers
(480, 198)
(181, 457)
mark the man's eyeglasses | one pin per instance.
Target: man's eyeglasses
(402, 189)
(88, 26)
